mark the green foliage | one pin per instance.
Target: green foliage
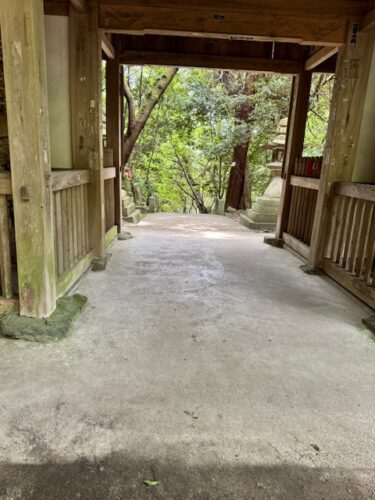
(184, 154)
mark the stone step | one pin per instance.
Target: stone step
(127, 210)
(264, 209)
(262, 200)
(261, 217)
(134, 218)
(256, 226)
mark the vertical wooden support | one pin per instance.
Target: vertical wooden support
(294, 146)
(85, 66)
(22, 31)
(113, 124)
(5, 256)
(352, 74)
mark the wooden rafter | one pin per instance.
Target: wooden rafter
(368, 22)
(320, 57)
(107, 46)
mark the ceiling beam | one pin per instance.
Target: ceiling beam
(368, 22)
(319, 57)
(319, 8)
(209, 61)
(107, 46)
(119, 18)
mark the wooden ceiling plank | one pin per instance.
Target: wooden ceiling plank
(319, 57)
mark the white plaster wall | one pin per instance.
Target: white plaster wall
(57, 53)
(364, 170)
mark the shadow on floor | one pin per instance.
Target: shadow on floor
(118, 477)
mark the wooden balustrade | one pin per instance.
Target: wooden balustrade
(304, 186)
(350, 242)
(6, 268)
(109, 203)
(71, 219)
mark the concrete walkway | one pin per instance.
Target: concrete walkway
(206, 360)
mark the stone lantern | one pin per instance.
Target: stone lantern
(264, 212)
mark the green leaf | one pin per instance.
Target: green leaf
(150, 482)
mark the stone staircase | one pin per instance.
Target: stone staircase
(130, 213)
(262, 216)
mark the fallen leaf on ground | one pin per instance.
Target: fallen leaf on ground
(150, 482)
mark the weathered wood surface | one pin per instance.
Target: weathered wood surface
(69, 178)
(23, 43)
(71, 222)
(296, 245)
(349, 253)
(109, 191)
(109, 173)
(85, 57)
(352, 76)
(319, 57)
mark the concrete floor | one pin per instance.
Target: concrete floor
(206, 360)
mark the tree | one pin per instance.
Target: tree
(238, 191)
(137, 121)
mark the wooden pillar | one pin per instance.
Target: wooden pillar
(352, 74)
(86, 112)
(113, 124)
(23, 42)
(294, 142)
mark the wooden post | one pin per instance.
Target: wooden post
(113, 124)
(23, 42)
(85, 66)
(352, 74)
(294, 142)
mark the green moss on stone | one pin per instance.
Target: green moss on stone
(55, 327)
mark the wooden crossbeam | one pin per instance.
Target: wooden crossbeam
(212, 22)
(320, 8)
(79, 5)
(368, 22)
(107, 46)
(209, 61)
(319, 57)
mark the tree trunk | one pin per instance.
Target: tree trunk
(136, 124)
(238, 191)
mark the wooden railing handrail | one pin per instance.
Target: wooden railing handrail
(109, 173)
(5, 183)
(354, 190)
(64, 179)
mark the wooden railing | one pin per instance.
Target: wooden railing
(6, 267)
(71, 220)
(109, 203)
(350, 242)
(304, 186)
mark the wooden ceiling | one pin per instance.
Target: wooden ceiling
(310, 22)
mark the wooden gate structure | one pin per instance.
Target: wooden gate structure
(60, 207)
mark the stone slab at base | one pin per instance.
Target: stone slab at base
(274, 242)
(125, 235)
(56, 327)
(369, 323)
(100, 264)
(305, 268)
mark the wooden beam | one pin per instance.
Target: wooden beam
(314, 30)
(23, 43)
(85, 64)
(107, 46)
(69, 178)
(113, 124)
(3, 125)
(209, 61)
(56, 7)
(320, 8)
(294, 145)
(319, 57)
(368, 22)
(79, 5)
(351, 83)
(5, 183)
